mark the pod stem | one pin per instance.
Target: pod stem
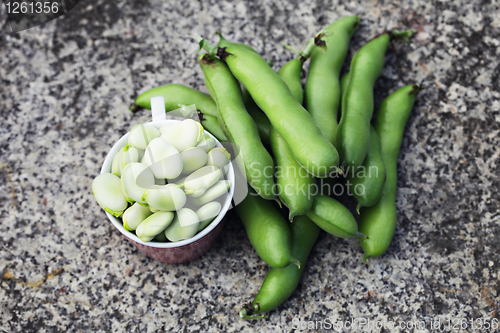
(220, 35)
(244, 315)
(416, 89)
(201, 115)
(295, 262)
(365, 258)
(358, 207)
(360, 234)
(403, 35)
(134, 108)
(278, 201)
(306, 51)
(288, 47)
(204, 45)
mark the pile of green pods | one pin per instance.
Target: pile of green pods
(296, 140)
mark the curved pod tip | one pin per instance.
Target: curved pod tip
(134, 108)
(403, 35)
(244, 315)
(278, 201)
(416, 89)
(365, 258)
(358, 207)
(295, 262)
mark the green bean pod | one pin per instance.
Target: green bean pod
(225, 43)
(333, 217)
(366, 183)
(353, 134)
(238, 125)
(279, 284)
(267, 230)
(291, 73)
(293, 181)
(379, 221)
(311, 149)
(262, 123)
(211, 124)
(176, 95)
(323, 92)
(259, 117)
(344, 82)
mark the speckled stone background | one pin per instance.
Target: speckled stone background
(65, 87)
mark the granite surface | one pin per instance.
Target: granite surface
(65, 87)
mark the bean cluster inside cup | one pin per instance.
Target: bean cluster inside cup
(165, 184)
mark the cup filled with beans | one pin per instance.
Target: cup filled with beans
(166, 186)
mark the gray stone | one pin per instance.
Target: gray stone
(65, 91)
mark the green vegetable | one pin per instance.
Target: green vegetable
(353, 133)
(184, 134)
(162, 159)
(238, 125)
(207, 213)
(153, 225)
(220, 188)
(193, 159)
(211, 124)
(285, 113)
(134, 215)
(184, 226)
(367, 181)
(267, 230)
(280, 283)
(379, 221)
(107, 191)
(323, 93)
(197, 183)
(333, 217)
(136, 180)
(176, 95)
(293, 181)
(165, 198)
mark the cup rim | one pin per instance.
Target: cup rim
(106, 168)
